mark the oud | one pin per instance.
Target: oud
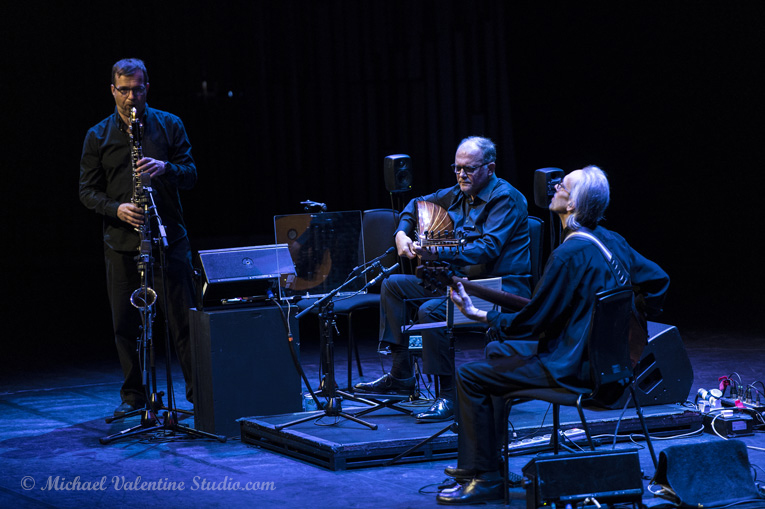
(435, 229)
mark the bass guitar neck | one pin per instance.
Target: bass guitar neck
(441, 277)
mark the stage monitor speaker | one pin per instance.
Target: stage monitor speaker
(242, 367)
(664, 375)
(398, 173)
(545, 180)
(607, 476)
(708, 474)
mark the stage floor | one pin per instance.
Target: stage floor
(52, 420)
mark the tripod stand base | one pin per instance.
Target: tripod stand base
(150, 423)
(333, 408)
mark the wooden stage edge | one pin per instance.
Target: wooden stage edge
(337, 443)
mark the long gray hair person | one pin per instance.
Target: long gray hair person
(590, 197)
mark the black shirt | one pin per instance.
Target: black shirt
(106, 175)
(560, 309)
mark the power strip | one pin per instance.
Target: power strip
(575, 434)
(731, 403)
(542, 442)
(531, 444)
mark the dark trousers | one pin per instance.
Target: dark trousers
(122, 278)
(479, 387)
(431, 307)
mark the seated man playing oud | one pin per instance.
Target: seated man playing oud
(495, 216)
(558, 315)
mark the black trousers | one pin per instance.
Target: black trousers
(479, 387)
(122, 278)
(436, 359)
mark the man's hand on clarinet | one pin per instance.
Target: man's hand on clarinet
(131, 214)
(154, 167)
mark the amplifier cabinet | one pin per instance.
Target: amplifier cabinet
(242, 366)
(607, 476)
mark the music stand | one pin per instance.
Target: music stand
(452, 319)
(333, 407)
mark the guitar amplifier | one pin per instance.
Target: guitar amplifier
(244, 275)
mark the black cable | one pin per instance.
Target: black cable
(293, 354)
(619, 421)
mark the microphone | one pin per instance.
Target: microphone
(312, 206)
(383, 274)
(386, 253)
(370, 262)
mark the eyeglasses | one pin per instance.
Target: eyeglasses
(140, 90)
(560, 185)
(468, 169)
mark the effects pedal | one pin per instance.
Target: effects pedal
(729, 423)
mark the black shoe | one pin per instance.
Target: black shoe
(387, 385)
(449, 483)
(477, 490)
(441, 410)
(125, 408)
(460, 474)
(463, 475)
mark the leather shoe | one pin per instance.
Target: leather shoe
(477, 490)
(387, 385)
(125, 408)
(464, 474)
(441, 410)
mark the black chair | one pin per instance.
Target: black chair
(378, 226)
(610, 368)
(536, 248)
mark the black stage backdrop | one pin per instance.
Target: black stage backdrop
(286, 101)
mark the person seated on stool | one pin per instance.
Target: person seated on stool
(558, 315)
(495, 214)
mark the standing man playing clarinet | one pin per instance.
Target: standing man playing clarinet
(107, 187)
(496, 217)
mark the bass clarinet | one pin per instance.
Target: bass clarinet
(143, 297)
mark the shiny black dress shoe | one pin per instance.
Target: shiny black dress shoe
(475, 491)
(461, 474)
(387, 385)
(441, 410)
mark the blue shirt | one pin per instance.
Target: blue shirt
(497, 224)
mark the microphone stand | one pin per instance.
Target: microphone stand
(334, 397)
(150, 421)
